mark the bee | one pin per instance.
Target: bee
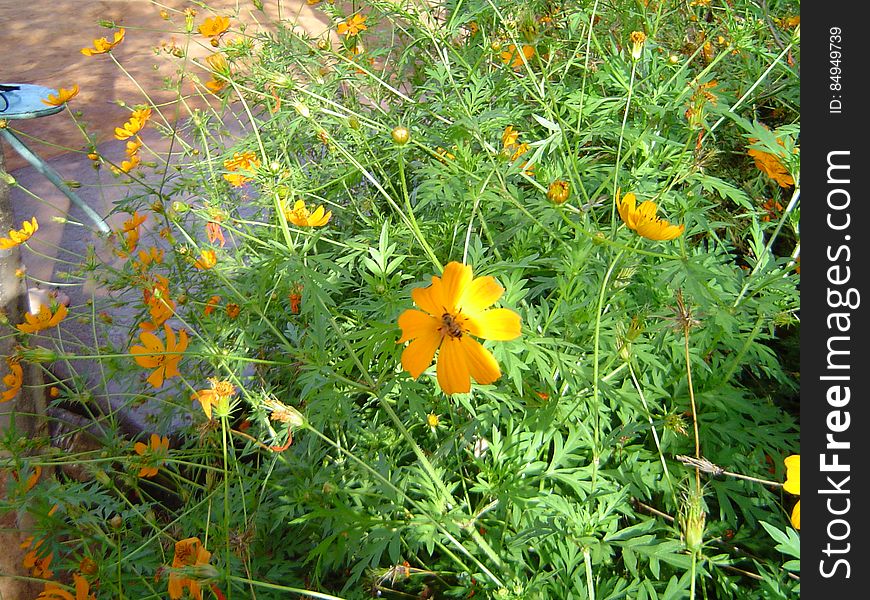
(450, 325)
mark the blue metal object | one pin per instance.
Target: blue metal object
(24, 101)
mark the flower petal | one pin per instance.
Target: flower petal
(481, 363)
(431, 298)
(417, 357)
(452, 370)
(480, 294)
(455, 280)
(796, 515)
(416, 323)
(495, 324)
(156, 378)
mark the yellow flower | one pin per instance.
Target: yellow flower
(510, 137)
(44, 319)
(63, 96)
(792, 485)
(643, 219)
(163, 359)
(102, 45)
(13, 380)
(220, 391)
(769, 165)
(207, 260)
(128, 165)
(20, 236)
(188, 553)
(516, 58)
(244, 160)
(637, 39)
(137, 121)
(214, 27)
(352, 25)
(53, 592)
(155, 454)
(454, 309)
(300, 216)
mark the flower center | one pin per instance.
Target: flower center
(450, 326)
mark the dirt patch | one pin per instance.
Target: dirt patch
(42, 45)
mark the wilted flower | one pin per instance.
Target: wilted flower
(637, 40)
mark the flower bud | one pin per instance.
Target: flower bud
(400, 135)
(558, 191)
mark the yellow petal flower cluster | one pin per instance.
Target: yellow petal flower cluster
(643, 220)
(135, 124)
(455, 308)
(19, 236)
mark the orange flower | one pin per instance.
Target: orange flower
(130, 229)
(220, 391)
(163, 359)
(19, 236)
(160, 305)
(44, 319)
(127, 165)
(233, 310)
(295, 299)
(38, 565)
(300, 216)
(211, 304)
(102, 45)
(643, 220)
(189, 554)
(13, 380)
(53, 592)
(152, 257)
(154, 453)
(63, 96)
(207, 260)
(769, 165)
(516, 58)
(214, 27)
(352, 25)
(510, 137)
(455, 308)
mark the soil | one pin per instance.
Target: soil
(42, 44)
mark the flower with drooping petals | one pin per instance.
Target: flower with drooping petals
(301, 217)
(102, 45)
(455, 308)
(247, 161)
(213, 231)
(63, 96)
(792, 485)
(770, 165)
(637, 39)
(17, 237)
(220, 392)
(352, 25)
(127, 166)
(12, 380)
(162, 358)
(643, 220)
(44, 319)
(80, 584)
(36, 564)
(189, 554)
(154, 453)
